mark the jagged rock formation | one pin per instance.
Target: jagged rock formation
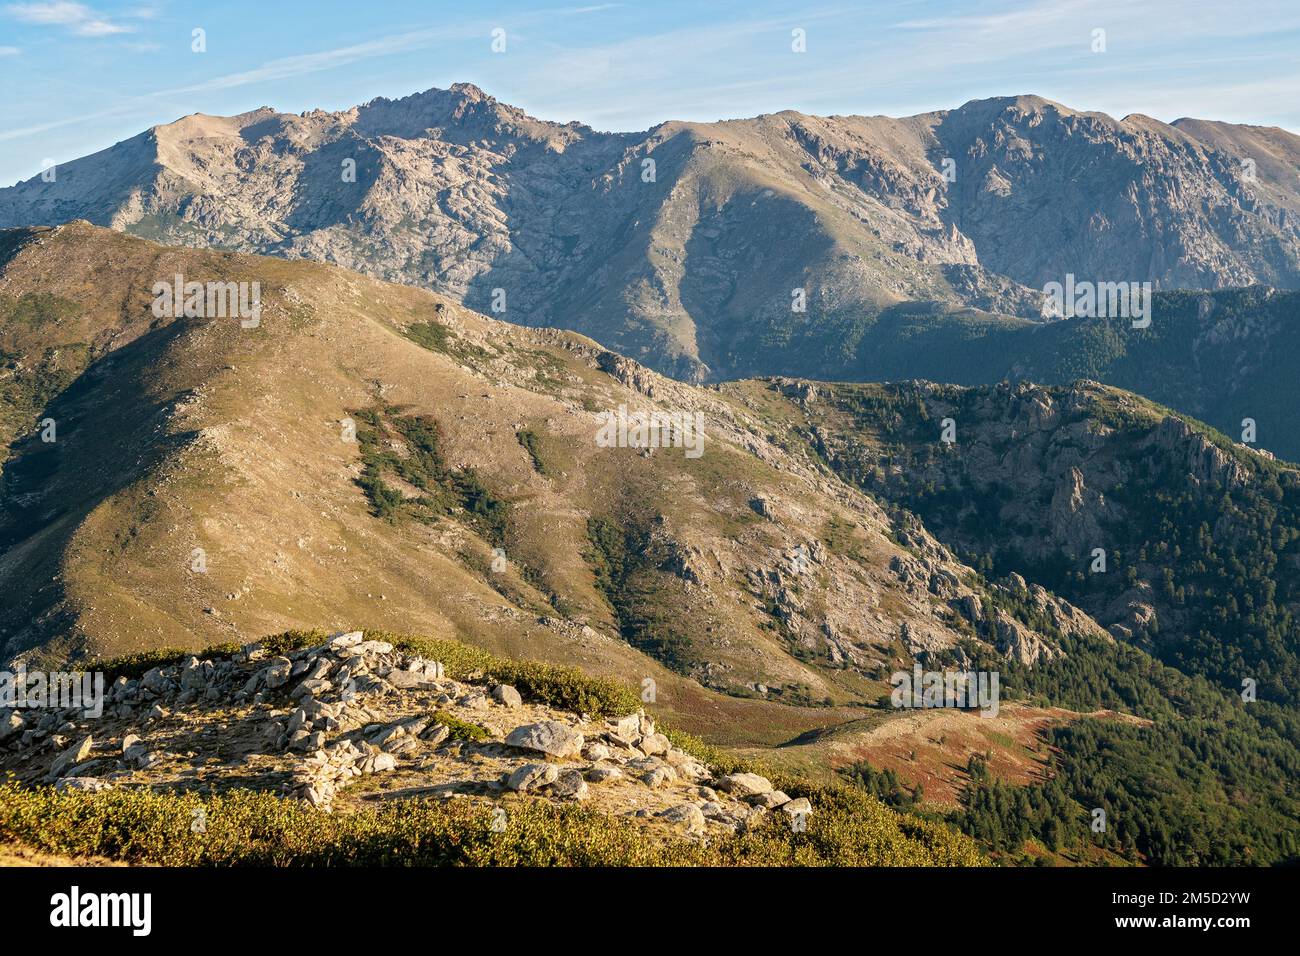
(681, 246)
(349, 722)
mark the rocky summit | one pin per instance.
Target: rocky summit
(710, 250)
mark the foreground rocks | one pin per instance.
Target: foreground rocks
(351, 723)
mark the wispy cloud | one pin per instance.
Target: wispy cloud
(278, 69)
(9, 51)
(75, 17)
(305, 63)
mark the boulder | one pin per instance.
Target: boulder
(277, 673)
(570, 786)
(11, 725)
(603, 774)
(71, 757)
(743, 784)
(658, 777)
(654, 744)
(436, 734)
(626, 729)
(548, 737)
(768, 801)
(340, 641)
(154, 681)
(533, 775)
(688, 814)
(800, 807)
(507, 696)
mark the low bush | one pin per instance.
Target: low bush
(243, 828)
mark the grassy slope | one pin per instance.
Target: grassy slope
(202, 435)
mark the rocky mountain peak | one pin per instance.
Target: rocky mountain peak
(679, 247)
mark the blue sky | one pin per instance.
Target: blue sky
(78, 77)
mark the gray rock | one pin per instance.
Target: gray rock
(139, 756)
(658, 777)
(603, 774)
(687, 814)
(415, 726)
(194, 675)
(384, 734)
(625, 730)
(595, 751)
(71, 757)
(436, 734)
(12, 724)
(548, 737)
(277, 673)
(532, 776)
(743, 784)
(570, 786)
(377, 763)
(342, 641)
(654, 744)
(507, 696)
(768, 801)
(154, 681)
(801, 806)
(408, 680)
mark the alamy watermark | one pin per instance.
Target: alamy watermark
(966, 689)
(62, 690)
(1098, 300)
(208, 300)
(652, 429)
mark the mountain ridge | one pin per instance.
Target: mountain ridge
(688, 264)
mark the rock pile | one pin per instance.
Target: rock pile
(353, 721)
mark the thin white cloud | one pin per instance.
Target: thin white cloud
(9, 51)
(326, 59)
(76, 17)
(278, 69)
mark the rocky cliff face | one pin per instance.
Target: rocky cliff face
(682, 246)
(1163, 531)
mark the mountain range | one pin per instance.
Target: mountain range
(746, 417)
(710, 251)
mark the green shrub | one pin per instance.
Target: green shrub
(461, 729)
(531, 444)
(257, 829)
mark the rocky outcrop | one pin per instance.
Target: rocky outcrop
(341, 722)
(1204, 461)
